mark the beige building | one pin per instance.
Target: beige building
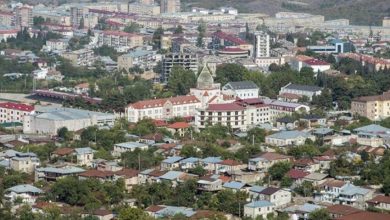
(82, 57)
(23, 17)
(386, 22)
(6, 18)
(144, 9)
(170, 6)
(119, 39)
(373, 107)
(25, 164)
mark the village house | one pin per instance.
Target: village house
(26, 192)
(84, 156)
(127, 147)
(278, 197)
(171, 163)
(380, 202)
(229, 166)
(258, 208)
(130, 176)
(266, 160)
(97, 174)
(288, 138)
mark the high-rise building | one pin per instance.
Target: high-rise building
(185, 60)
(24, 16)
(262, 45)
(146, 2)
(170, 6)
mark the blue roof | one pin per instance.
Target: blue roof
(24, 188)
(190, 160)
(257, 159)
(173, 210)
(350, 189)
(139, 53)
(211, 160)
(307, 207)
(289, 135)
(171, 175)
(322, 131)
(234, 185)
(5, 163)
(259, 204)
(172, 159)
(131, 145)
(257, 189)
(372, 128)
(84, 150)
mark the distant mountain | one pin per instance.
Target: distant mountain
(360, 12)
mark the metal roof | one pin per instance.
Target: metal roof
(372, 128)
(131, 145)
(84, 150)
(289, 135)
(62, 170)
(172, 159)
(259, 204)
(24, 188)
(190, 160)
(257, 189)
(303, 87)
(211, 160)
(241, 85)
(173, 210)
(234, 185)
(171, 175)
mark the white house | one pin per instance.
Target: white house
(302, 90)
(84, 156)
(278, 197)
(266, 160)
(127, 146)
(258, 208)
(287, 138)
(242, 89)
(26, 192)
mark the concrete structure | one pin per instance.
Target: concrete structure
(317, 65)
(54, 173)
(288, 138)
(302, 90)
(373, 107)
(24, 162)
(127, 147)
(144, 9)
(266, 160)
(380, 202)
(23, 17)
(141, 58)
(163, 109)
(186, 60)
(242, 89)
(265, 62)
(262, 44)
(119, 39)
(7, 18)
(49, 120)
(170, 6)
(14, 112)
(82, 57)
(257, 112)
(28, 193)
(84, 156)
(258, 208)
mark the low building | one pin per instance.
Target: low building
(24, 162)
(14, 112)
(372, 135)
(266, 160)
(372, 107)
(100, 175)
(288, 138)
(130, 176)
(82, 57)
(242, 89)
(258, 208)
(48, 120)
(54, 173)
(119, 39)
(303, 90)
(171, 163)
(278, 197)
(210, 183)
(230, 166)
(317, 65)
(26, 192)
(127, 147)
(380, 202)
(84, 156)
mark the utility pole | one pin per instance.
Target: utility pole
(139, 162)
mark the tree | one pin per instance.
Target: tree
(157, 37)
(319, 214)
(181, 80)
(198, 170)
(201, 33)
(230, 72)
(286, 182)
(81, 26)
(324, 101)
(64, 133)
(179, 29)
(132, 28)
(130, 213)
(305, 189)
(386, 186)
(279, 170)
(256, 135)
(37, 21)
(290, 37)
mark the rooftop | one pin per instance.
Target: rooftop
(17, 106)
(24, 188)
(303, 87)
(241, 85)
(131, 145)
(289, 135)
(259, 204)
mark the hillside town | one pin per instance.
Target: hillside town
(157, 109)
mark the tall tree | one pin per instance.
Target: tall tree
(201, 34)
(181, 80)
(230, 72)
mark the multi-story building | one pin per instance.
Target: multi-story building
(163, 109)
(14, 112)
(23, 17)
(257, 112)
(301, 90)
(144, 9)
(119, 39)
(81, 18)
(227, 114)
(48, 120)
(170, 6)
(221, 39)
(57, 44)
(280, 108)
(146, 2)
(373, 107)
(185, 60)
(82, 57)
(141, 58)
(7, 18)
(262, 45)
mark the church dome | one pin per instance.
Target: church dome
(205, 79)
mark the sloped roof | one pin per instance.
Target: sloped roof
(303, 87)
(24, 188)
(241, 85)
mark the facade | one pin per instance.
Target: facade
(242, 90)
(373, 107)
(179, 106)
(258, 208)
(280, 108)
(316, 65)
(144, 9)
(54, 173)
(170, 6)
(266, 160)
(127, 147)
(141, 58)
(24, 162)
(82, 57)
(256, 111)
(7, 18)
(119, 39)
(302, 90)
(84, 156)
(380, 202)
(14, 112)
(57, 44)
(50, 120)
(23, 17)
(221, 39)
(262, 44)
(185, 60)
(288, 138)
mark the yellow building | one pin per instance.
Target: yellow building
(373, 107)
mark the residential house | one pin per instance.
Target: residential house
(266, 160)
(286, 123)
(297, 176)
(150, 176)
(100, 214)
(301, 211)
(163, 211)
(229, 166)
(53, 173)
(242, 89)
(189, 163)
(62, 152)
(337, 211)
(130, 176)
(84, 156)
(315, 178)
(288, 138)
(178, 128)
(329, 190)
(235, 186)
(354, 195)
(278, 197)
(303, 90)
(372, 135)
(380, 202)
(97, 174)
(313, 120)
(211, 163)
(258, 208)
(127, 147)
(24, 162)
(210, 183)
(175, 177)
(171, 163)
(307, 164)
(26, 192)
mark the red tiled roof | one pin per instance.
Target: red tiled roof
(380, 199)
(304, 161)
(82, 85)
(127, 173)
(228, 37)
(179, 125)
(366, 216)
(97, 173)
(333, 183)
(274, 156)
(63, 151)
(154, 103)
(225, 107)
(154, 208)
(315, 62)
(17, 106)
(342, 210)
(297, 174)
(119, 33)
(230, 163)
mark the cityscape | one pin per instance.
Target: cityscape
(193, 109)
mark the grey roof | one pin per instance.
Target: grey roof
(322, 131)
(190, 160)
(173, 210)
(303, 87)
(351, 190)
(172, 159)
(62, 170)
(24, 188)
(289, 135)
(241, 85)
(316, 176)
(139, 53)
(51, 113)
(259, 204)
(171, 175)
(131, 145)
(372, 128)
(211, 160)
(307, 207)
(234, 185)
(84, 150)
(257, 189)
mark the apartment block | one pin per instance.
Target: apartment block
(186, 60)
(170, 6)
(24, 17)
(262, 45)
(373, 107)
(119, 39)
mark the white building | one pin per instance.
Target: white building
(258, 208)
(301, 90)
(242, 89)
(262, 44)
(26, 192)
(14, 112)
(48, 120)
(288, 138)
(317, 65)
(127, 147)
(84, 156)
